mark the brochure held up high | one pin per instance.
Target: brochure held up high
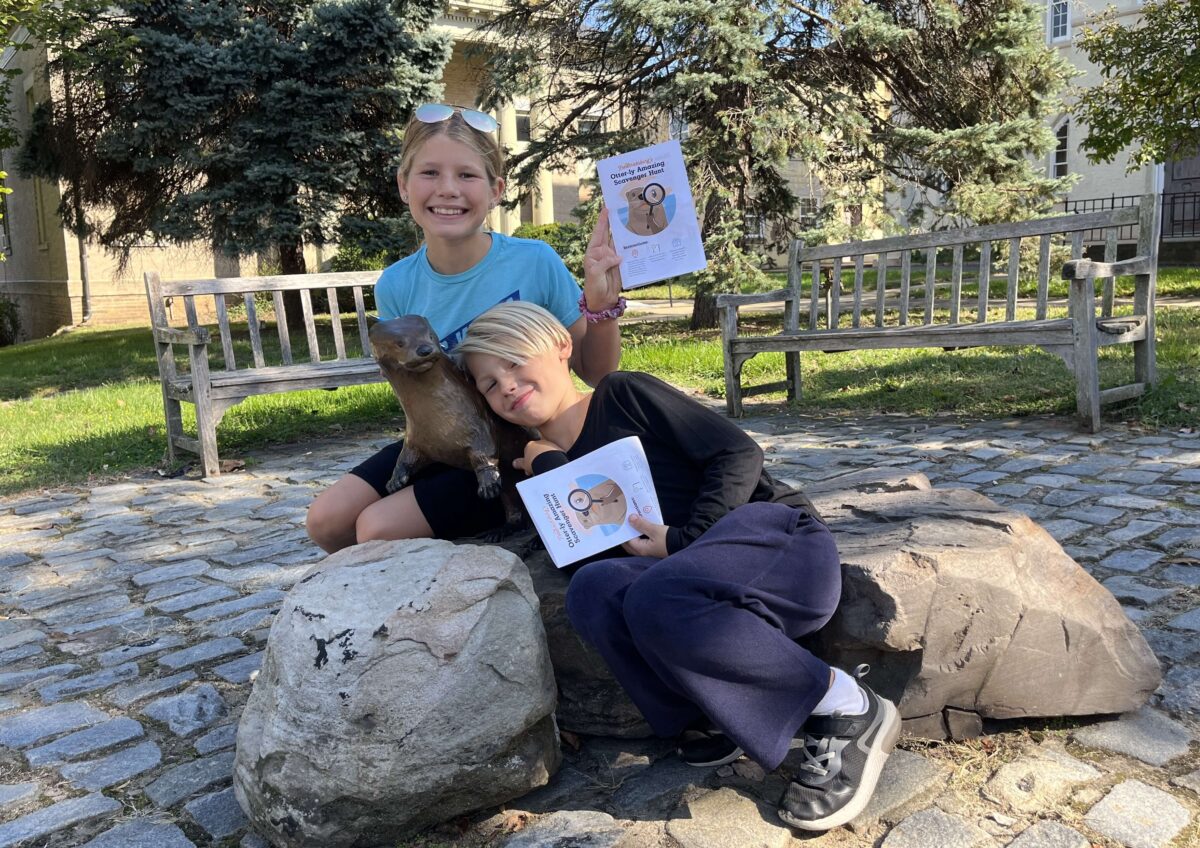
(652, 215)
(583, 507)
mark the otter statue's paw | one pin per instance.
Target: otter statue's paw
(508, 528)
(489, 482)
(399, 479)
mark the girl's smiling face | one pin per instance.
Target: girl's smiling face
(447, 189)
(532, 393)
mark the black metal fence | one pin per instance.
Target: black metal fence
(1180, 215)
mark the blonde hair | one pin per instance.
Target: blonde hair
(516, 331)
(484, 144)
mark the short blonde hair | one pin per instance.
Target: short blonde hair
(485, 144)
(516, 331)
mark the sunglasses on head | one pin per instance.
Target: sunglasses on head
(435, 113)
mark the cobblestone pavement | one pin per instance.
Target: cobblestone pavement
(133, 615)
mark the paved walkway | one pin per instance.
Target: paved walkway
(133, 615)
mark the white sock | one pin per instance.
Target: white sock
(845, 696)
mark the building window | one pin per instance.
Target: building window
(678, 127)
(808, 212)
(524, 131)
(1059, 12)
(756, 227)
(589, 125)
(5, 232)
(39, 188)
(1061, 137)
(527, 209)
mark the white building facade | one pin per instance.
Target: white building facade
(1101, 186)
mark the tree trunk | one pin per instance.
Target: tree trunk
(704, 311)
(291, 261)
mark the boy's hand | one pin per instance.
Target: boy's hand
(655, 542)
(533, 450)
(601, 274)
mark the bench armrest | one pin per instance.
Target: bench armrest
(1082, 269)
(171, 335)
(727, 300)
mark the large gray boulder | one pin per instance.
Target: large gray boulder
(964, 609)
(404, 684)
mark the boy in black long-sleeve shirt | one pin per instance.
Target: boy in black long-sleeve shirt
(699, 622)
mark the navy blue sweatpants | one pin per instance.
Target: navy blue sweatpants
(710, 631)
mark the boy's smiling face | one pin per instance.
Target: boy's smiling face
(531, 393)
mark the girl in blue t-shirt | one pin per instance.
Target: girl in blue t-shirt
(451, 175)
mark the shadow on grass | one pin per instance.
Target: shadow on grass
(76, 360)
(256, 423)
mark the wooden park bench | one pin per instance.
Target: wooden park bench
(886, 317)
(214, 391)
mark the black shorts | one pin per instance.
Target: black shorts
(448, 497)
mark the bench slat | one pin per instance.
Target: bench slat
(1110, 255)
(880, 287)
(999, 333)
(360, 310)
(1014, 278)
(335, 318)
(293, 282)
(905, 281)
(1119, 393)
(226, 336)
(277, 379)
(956, 269)
(814, 299)
(1076, 253)
(255, 330)
(285, 339)
(1052, 331)
(944, 238)
(739, 300)
(835, 296)
(310, 327)
(985, 279)
(189, 309)
(858, 290)
(1043, 283)
(930, 282)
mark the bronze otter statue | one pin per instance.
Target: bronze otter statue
(446, 418)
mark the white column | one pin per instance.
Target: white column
(507, 220)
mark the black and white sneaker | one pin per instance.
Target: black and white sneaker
(707, 748)
(843, 756)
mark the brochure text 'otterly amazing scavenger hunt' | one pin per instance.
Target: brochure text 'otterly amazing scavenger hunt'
(583, 507)
(651, 213)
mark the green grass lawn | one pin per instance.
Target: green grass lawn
(87, 404)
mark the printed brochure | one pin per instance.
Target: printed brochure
(582, 508)
(652, 216)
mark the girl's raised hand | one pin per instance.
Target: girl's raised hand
(655, 542)
(601, 274)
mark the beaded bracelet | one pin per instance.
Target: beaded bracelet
(614, 311)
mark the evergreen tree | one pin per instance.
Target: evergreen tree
(1150, 95)
(946, 95)
(247, 127)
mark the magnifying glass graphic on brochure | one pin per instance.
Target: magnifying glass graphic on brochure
(653, 194)
(581, 500)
